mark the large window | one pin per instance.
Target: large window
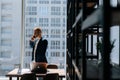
(48, 18)
(17, 21)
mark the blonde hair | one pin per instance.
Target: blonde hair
(38, 29)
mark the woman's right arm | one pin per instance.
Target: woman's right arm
(32, 41)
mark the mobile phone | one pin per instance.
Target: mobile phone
(33, 36)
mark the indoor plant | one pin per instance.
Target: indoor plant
(99, 46)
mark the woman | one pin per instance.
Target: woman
(39, 49)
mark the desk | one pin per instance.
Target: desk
(14, 73)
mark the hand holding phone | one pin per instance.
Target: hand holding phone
(33, 37)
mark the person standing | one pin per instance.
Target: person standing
(39, 46)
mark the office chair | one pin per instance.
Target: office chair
(52, 66)
(51, 76)
(28, 76)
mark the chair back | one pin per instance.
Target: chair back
(52, 66)
(52, 76)
(28, 76)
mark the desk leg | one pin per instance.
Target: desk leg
(60, 78)
(17, 78)
(10, 78)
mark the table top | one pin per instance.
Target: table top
(15, 72)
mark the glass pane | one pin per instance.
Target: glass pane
(52, 20)
(36, 13)
(115, 50)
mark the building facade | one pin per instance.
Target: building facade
(10, 33)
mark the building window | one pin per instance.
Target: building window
(28, 53)
(43, 1)
(31, 1)
(31, 20)
(29, 32)
(63, 33)
(55, 44)
(55, 22)
(31, 10)
(45, 33)
(6, 18)
(64, 11)
(63, 44)
(43, 22)
(27, 65)
(55, 33)
(5, 54)
(55, 11)
(63, 54)
(6, 42)
(6, 6)
(6, 30)
(55, 2)
(64, 22)
(43, 10)
(65, 2)
(55, 54)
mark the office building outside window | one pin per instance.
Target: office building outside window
(41, 13)
(50, 15)
(10, 34)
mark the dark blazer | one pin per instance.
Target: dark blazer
(40, 50)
